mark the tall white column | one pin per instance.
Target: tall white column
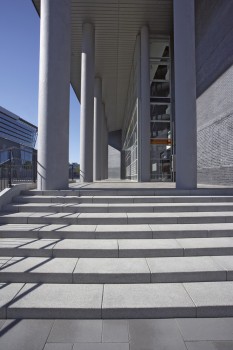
(54, 80)
(144, 113)
(104, 146)
(185, 94)
(87, 106)
(97, 129)
(106, 151)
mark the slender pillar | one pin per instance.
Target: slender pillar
(144, 113)
(185, 94)
(106, 151)
(87, 106)
(97, 129)
(54, 80)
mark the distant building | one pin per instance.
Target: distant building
(17, 135)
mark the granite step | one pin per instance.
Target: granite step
(121, 199)
(115, 218)
(112, 248)
(144, 300)
(115, 270)
(141, 231)
(119, 207)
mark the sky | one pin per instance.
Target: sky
(19, 67)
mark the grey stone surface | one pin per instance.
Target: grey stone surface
(24, 334)
(149, 247)
(209, 345)
(116, 270)
(155, 334)
(38, 270)
(7, 293)
(86, 248)
(146, 301)
(184, 269)
(212, 299)
(101, 346)
(75, 331)
(103, 218)
(115, 331)
(227, 263)
(58, 346)
(206, 329)
(57, 301)
(123, 231)
(207, 246)
(151, 218)
(27, 247)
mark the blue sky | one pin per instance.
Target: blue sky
(19, 66)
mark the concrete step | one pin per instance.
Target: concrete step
(112, 248)
(152, 300)
(119, 207)
(141, 231)
(115, 270)
(115, 218)
(121, 199)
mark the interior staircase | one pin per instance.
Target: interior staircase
(117, 254)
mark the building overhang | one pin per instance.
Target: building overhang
(117, 23)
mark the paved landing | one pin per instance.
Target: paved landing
(166, 334)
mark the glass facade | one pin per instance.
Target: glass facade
(161, 139)
(130, 129)
(17, 130)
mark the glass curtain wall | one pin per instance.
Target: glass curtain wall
(130, 129)
(161, 129)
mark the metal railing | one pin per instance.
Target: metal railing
(17, 165)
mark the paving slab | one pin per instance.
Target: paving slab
(149, 247)
(212, 299)
(7, 293)
(38, 270)
(123, 231)
(53, 218)
(209, 345)
(25, 334)
(101, 346)
(27, 247)
(207, 246)
(155, 334)
(4, 260)
(206, 329)
(179, 231)
(13, 218)
(86, 248)
(75, 331)
(146, 301)
(104, 270)
(102, 219)
(115, 331)
(152, 218)
(68, 231)
(185, 269)
(227, 263)
(58, 346)
(57, 301)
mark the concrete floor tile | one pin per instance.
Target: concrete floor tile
(181, 269)
(2, 323)
(115, 270)
(58, 346)
(206, 329)
(227, 263)
(7, 293)
(24, 334)
(115, 331)
(101, 346)
(146, 301)
(213, 299)
(75, 331)
(209, 345)
(149, 247)
(37, 270)
(207, 246)
(86, 248)
(155, 334)
(57, 301)
(102, 218)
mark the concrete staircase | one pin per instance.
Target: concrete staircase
(117, 254)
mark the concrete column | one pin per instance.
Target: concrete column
(54, 89)
(87, 106)
(97, 129)
(144, 113)
(106, 151)
(185, 94)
